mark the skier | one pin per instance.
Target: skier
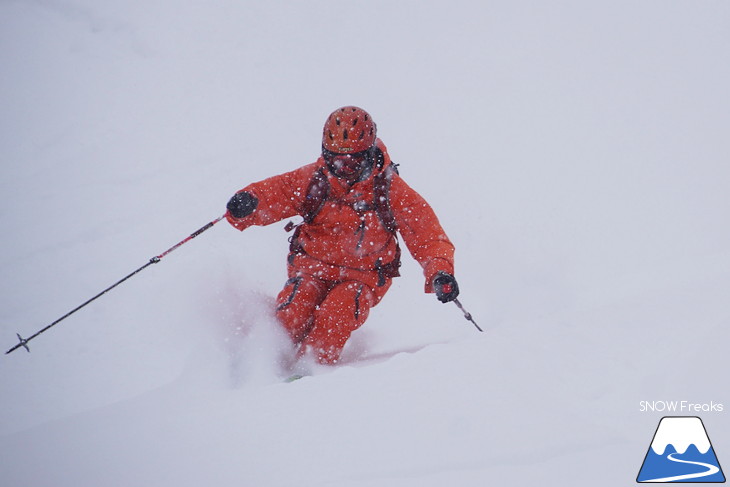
(345, 252)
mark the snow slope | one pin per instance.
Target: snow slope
(576, 154)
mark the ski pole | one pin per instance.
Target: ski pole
(23, 342)
(467, 315)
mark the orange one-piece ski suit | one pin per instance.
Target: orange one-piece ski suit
(344, 255)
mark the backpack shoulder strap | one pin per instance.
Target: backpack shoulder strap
(381, 197)
(319, 189)
(316, 196)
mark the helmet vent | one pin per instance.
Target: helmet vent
(354, 122)
(344, 134)
(362, 135)
(337, 121)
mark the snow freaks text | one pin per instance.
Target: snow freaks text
(680, 407)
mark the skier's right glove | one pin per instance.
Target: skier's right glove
(446, 287)
(242, 204)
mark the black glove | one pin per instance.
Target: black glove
(446, 287)
(242, 204)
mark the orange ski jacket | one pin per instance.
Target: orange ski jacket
(346, 237)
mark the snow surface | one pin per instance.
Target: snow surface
(576, 153)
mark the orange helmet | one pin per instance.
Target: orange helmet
(348, 130)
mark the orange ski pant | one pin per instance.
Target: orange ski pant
(321, 315)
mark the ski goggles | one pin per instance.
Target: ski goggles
(347, 165)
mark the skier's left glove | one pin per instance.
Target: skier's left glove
(446, 287)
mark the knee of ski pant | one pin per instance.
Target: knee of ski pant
(296, 303)
(343, 311)
(346, 306)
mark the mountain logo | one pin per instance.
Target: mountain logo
(681, 452)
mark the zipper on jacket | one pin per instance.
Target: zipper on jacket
(361, 229)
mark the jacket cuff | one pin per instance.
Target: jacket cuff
(239, 223)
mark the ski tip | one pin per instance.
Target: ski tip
(293, 378)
